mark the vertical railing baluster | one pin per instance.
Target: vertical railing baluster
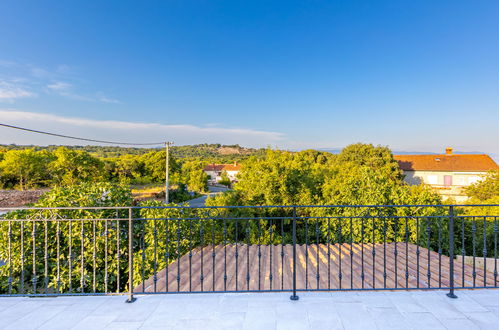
(58, 242)
(484, 251)
(213, 254)
(294, 296)
(317, 242)
(167, 253)
(178, 254)
(94, 257)
(463, 251)
(236, 255)
(417, 252)
(259, 253)
(351, 252)
(282, 254)
(329, 253)
(473, 232)
(70, 256)
(118, 252)
(143, 259)
(82, 257)
(340, 247)
(439, 252)
(130, 256)
(106, 247)
(496, 230)
(201, 234)
(384, 252)
(155, 253)
(248, 239)
(22, 258)
(271, 246)
(451, 252)
(407, 252)
(33, 237)
(10, 257)
(428, 233)
(395, 250)
(225, 254)
(46, 257)
(362, 232)
(306, 253)
(374, 250)
(190, 254)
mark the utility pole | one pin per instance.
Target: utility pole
(167, 160)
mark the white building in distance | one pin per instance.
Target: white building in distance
(214, 171)
(447, 173)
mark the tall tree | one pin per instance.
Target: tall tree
(24, 168)
(71, 167)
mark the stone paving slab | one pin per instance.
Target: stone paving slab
(474, 309)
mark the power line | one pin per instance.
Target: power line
(81, 139)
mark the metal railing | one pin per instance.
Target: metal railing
(148, 250)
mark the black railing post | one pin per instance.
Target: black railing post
(294, 296)
(130, 299)
(451, 252)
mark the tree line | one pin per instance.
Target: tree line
(29, 168)
(214, 152)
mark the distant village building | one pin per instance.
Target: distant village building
(214, 171)
(447, 173)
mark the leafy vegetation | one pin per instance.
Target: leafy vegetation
(217, 153)
(67, 249)
(27, 167)
(481, 221)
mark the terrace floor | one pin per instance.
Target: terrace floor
(474, 309)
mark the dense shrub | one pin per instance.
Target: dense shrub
(64, 255)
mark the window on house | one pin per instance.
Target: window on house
(432, 179)
(447, 180)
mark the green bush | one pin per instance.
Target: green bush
(62, 255)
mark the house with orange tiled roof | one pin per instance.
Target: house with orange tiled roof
(447, 173)
(214, 171)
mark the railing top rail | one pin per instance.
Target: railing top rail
(235, 207)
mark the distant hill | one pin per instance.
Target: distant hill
(214, 151)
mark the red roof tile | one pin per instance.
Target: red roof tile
(273, 270)
(446, 162)
(222, 167)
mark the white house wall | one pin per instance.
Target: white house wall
(436, 180)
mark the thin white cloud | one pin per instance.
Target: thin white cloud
(102, 98)
(59, 86)
(10, 91)
(125, 131)
(61, 80)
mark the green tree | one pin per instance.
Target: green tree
(71, 167)
(129, 168)
(485, 189)
(155, 165)
(193, 175)
(283, 178)
(486, 192)
(24, 168)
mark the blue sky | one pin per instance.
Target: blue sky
(413, 75)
